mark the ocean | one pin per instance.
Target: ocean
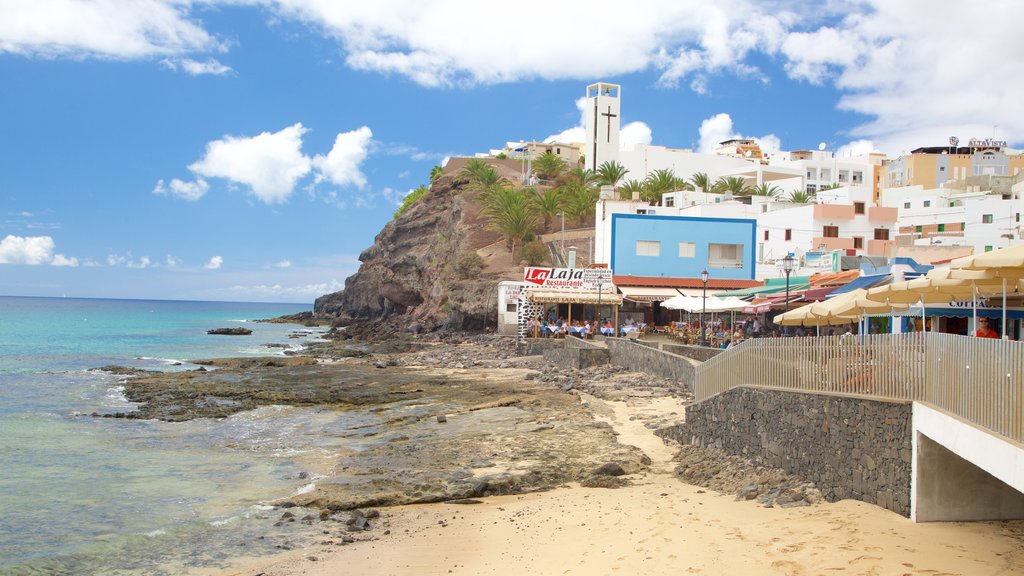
(87, 495)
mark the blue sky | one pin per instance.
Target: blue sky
(250, 150)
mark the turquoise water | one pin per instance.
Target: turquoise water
(84, 495)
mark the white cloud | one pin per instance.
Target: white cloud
(100, 28)
(634, 133)
(341, 165)
(215, 263)
(881, 55)
(128, 261)
(299, 292)
(33, 250)
(211, 66)
(172, 262)
(62, 260)
(718, 128)
(856, 148)
(283, 264)
(190, 191)
(269, 163)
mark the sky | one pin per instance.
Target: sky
(249, 150)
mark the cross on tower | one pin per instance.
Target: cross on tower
(609, 115)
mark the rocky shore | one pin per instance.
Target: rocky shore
(447, 420)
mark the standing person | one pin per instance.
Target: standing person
(984, 331)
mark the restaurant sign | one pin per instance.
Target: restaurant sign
(578, 278)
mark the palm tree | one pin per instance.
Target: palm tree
(548, 166)
(579, 201)
(766, 189)
(482, 177)
(509, 214)
(627, 189)
(659, 182)
(584, 176)
(735, 185)
(435, 173)
(801, 196)
(700, 181)
(473, 168)
(545, 204)
(611, 172)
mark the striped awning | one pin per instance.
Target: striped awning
(648, 293)
(574, 297)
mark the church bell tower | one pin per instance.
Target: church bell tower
(602, 124)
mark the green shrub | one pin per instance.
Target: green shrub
(409, 199)
(534, 252)
(468, 265)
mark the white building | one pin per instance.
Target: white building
(981, 220)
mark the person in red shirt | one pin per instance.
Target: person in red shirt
(984, 331)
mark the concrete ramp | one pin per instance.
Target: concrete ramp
(962, 472)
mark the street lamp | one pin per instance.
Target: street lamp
(788, 265)
(704, 307)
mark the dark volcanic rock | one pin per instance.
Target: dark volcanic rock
(408, 280)
(230, 331)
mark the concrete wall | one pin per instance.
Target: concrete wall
(644, 358)
(849, 447)
(578, 358)
(698, 353)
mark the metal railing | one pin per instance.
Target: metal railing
(980, 380)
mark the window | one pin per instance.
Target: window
(789, 234)
(858, 207)
(986, 218)
(765, 235)
(687, 249)
(725, 255)
(858, 242)
(812, 188)
(648, 248)
(510, 307)
(988, 248)
(906, 204)
(830, 231)
(927, 203)
(942, 228)
(1018, 217)
(881, 233)
(919, 229)
(670, 201)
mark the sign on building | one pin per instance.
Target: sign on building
(573, 278)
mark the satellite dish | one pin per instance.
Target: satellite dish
(821, 146)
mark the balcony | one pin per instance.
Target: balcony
(833, 243)
(833, 212)
(880, 214)
(879, 247)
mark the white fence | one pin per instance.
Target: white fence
(978, 379)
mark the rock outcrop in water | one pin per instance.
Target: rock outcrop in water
(411, 279)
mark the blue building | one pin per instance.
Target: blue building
(681, 247)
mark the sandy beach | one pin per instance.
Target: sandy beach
(656, 525)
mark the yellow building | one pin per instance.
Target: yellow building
(934, 166)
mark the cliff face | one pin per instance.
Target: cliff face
(409, 281)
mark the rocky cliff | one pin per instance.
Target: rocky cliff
(419, 275)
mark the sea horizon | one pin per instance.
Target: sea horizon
(143, 299)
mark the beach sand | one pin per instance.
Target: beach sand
(658, 525)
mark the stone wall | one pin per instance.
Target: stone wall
(578, 358)
(537, 346)
(644, 358)
(849, 447)
(698, 353)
